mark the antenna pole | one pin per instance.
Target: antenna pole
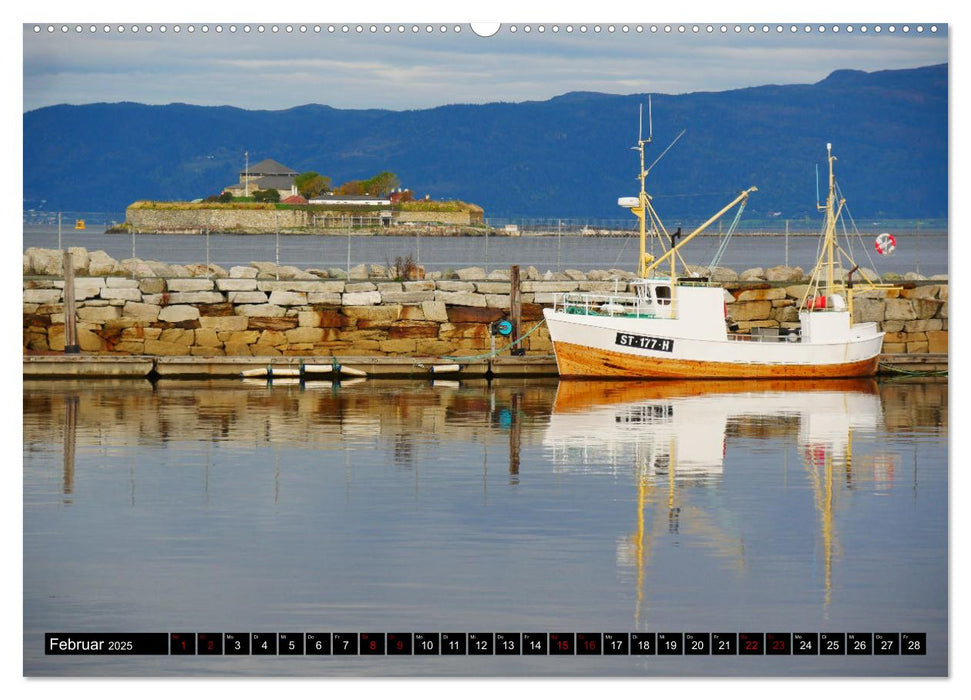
(643, 201)
(817, 185)
(650, 120)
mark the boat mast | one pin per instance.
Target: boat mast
(640, 211)
(646, 262)
(827, 258)
(644, 208)
(833, 209)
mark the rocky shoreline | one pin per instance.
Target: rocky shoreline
(42, 262)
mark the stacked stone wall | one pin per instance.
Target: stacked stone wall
(457, 218)
(135, 307)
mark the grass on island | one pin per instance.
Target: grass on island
(431, 205)
(250, 204)
(188, 206)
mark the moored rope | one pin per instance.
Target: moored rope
(912, 373)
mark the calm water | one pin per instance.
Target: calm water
(926, 253)
(520, 506)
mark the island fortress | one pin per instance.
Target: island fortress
(322, 214)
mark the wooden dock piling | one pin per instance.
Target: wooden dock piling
(515, 309)
(70, 313)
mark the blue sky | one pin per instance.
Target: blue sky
(212, 64)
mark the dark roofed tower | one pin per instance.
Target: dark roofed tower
(265, 175)
(265, 168)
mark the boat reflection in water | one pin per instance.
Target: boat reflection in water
(676, 434)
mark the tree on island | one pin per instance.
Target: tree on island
(267, 195)
(351, 187)
(311, 184)
(381, 184)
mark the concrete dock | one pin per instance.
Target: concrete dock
(73, 366)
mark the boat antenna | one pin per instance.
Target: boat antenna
(650, 120)
(817, 185)
(640, 124)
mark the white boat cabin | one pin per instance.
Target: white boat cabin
(653, 298)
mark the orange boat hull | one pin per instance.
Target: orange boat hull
(582, 361)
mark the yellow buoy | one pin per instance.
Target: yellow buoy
(79, 224)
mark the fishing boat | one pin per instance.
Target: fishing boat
(670, 326)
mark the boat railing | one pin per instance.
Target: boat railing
(762, 336)
(597, 304)
(864, 330)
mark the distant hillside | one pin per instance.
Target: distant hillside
(564, 157)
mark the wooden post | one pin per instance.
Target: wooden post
(348, 248)
(70, 316)
(515, 308)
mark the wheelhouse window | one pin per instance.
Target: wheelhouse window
(663, 294)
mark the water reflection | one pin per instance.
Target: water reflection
(408, 418)
(70, 438)
(674, 436)
(665, 431)
(413, 505)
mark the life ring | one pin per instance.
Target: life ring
(885, 244)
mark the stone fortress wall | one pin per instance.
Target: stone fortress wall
(172, 220)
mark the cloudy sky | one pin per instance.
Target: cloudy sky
(221, 63)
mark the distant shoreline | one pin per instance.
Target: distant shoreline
(436, 232)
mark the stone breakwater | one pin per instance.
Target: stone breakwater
(136, 307)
